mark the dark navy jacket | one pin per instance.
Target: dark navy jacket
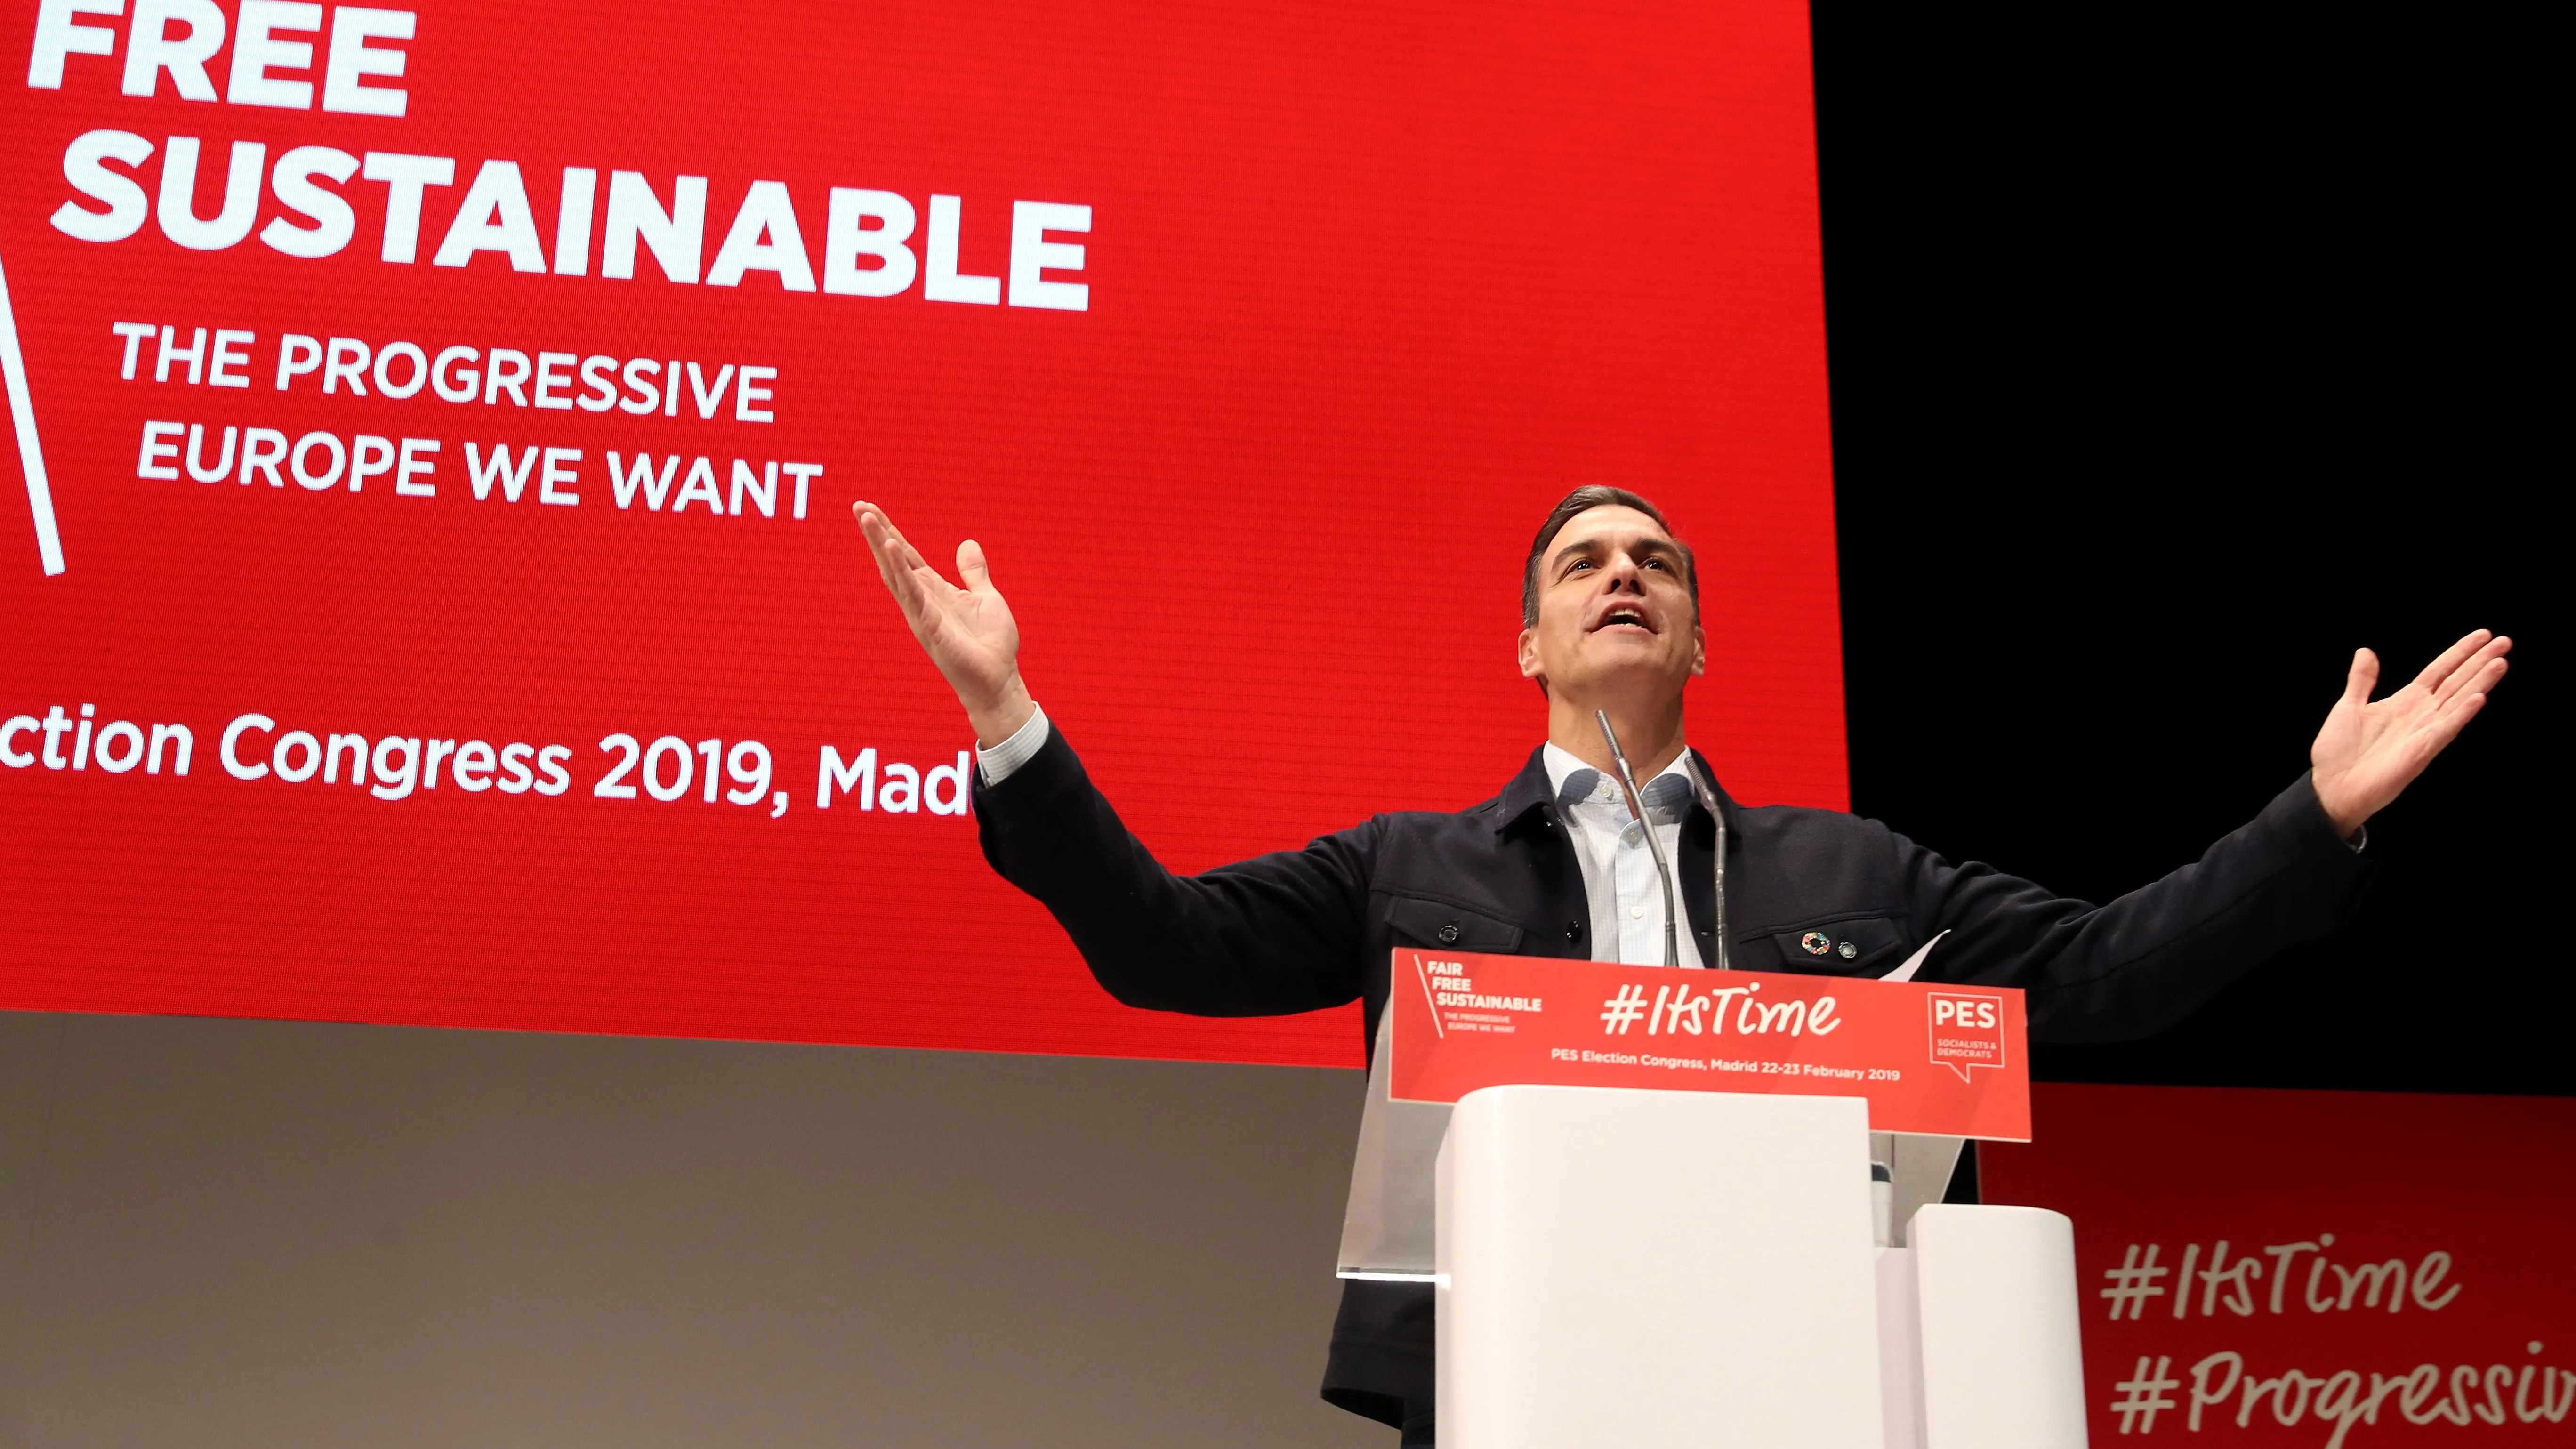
(1302, 930)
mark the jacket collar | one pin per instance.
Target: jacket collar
(1528, 791)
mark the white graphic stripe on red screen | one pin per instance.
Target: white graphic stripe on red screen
(31, 456)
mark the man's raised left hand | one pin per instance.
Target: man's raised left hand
(2370, 751)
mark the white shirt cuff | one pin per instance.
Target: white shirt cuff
(997, 763)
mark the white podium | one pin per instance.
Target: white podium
(1650, 1268)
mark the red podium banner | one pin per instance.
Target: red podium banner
(1946, 1060)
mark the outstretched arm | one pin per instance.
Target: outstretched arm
(967, 632)
(2138, 964)
(1278, 933)
(2370, 751)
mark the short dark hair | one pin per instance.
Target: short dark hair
(1584, 500)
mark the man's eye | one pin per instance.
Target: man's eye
(1655, 563)
(1581, 563)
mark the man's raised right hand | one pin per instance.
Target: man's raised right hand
(968, 632)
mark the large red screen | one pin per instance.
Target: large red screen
(419, 384)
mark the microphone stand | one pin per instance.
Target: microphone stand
(1654, 843)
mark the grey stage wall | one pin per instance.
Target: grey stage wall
(221, 1233)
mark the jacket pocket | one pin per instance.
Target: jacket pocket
(1442, 926)
(1846, 946)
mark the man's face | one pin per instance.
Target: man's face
(1614, 609)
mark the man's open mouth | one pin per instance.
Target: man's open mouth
(1623, 615)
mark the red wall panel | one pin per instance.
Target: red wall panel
(1368, 288)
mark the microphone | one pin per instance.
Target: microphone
(1654, 842)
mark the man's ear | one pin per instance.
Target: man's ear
(1699, 651)
(1530, 665)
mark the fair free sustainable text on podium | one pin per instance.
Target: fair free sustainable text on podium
(1932, 1059)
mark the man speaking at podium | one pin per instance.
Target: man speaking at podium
(1557, 865)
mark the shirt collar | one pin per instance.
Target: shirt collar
(1533, 791)
(1561, 763)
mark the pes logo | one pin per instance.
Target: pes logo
(1967, 1031)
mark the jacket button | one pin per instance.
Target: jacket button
(1574, 930)
(1449, 933)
